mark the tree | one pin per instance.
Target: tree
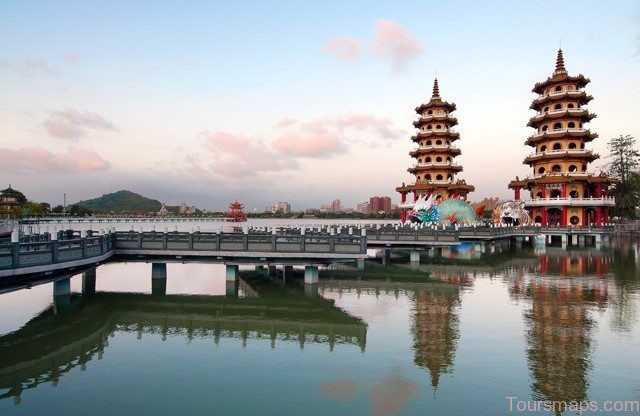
(625, 159)
(58, 209)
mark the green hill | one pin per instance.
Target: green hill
(121, 201)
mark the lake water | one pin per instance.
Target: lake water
(451, 336)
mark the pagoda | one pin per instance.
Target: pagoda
(562, 191)
(236, 212)
(435, 170)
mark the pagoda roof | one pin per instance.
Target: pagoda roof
(435, 150)
(436, 101)
(581, 96)
(448, 134)
(562, 178)
(430, 186)
(581, 155)
(574, 113)
(435, 167)
(445, 118)
(560, 76)
(563, 134)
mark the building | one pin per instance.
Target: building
(364, 207)
(435, 170)
(10, 201)
(182, 209)
(562, 192)
(336, 206)
(380, 204)
(279, 207)
(236, 212)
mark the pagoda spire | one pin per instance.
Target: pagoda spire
(560, 69)
(436, 89)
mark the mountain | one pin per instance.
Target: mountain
(121, 201)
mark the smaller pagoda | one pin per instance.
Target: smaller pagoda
(435, 169)
(236, 212)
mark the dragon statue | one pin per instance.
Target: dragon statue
(448, 211)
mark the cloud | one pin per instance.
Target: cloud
(72, 124)
(29, 67)
(71, 57)
(395, 44)
(343, 48)
(390, 396)
(333, 135)
(341, 390)
(39, 160)
(234, 156)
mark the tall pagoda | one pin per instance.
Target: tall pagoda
(562, 191)
(435, 170)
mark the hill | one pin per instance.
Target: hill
(121, 201)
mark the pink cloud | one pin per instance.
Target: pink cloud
(332, 135)
(233, 156)
(72, 124)
(39, 160)
(30, 66)
(343, 48)
(395, 44)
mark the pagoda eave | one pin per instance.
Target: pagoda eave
(562, 156)
(450, 121)
(585, 135)
(431, 186)
(583, 116)
(452, 136)
(561, 178)
(439, 168)
(436, 103)
(453, 151)
(580, 80)
(581, 97)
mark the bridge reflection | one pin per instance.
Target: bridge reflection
(76, 329)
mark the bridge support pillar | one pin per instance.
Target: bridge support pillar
(563, 239)
(62, 287)
(414, 256)
(598, 240)
(89, 282)
(310, 275)
(287, 273)
(158, 270)
(273, 272)
(386, 256)
(360, 264)
(231, 274)
(574, 239)
(581, 241)
(232, 288)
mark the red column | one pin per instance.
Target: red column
(564, 190)
(584, 217)
(403, 197)
(598, 219)
(563, 219)
(599, 190)
(544, 216)
(605, 215)
(516, 193)
(543, 191)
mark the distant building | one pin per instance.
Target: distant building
(10, 199)
(364, 208)
(183, 208)
(380, 204)
(336, 206)
(163, 211)
(279, 207)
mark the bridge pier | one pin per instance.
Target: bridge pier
(598, 240)
(89, 282)
(310, 275)
(272, 272)
(158, 278)
(360, 264)
(61, 295)
(581, 241)
(311, 290)
(414, 256)
(287, 273)
(386, 256)
(563, 240)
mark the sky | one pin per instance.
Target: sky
(204, 102)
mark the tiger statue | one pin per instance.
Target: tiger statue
(511, 213)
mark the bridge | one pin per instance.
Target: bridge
(48, 252)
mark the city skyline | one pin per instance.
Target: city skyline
(102, 98)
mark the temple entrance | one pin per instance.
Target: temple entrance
(556, 193)
(554, 216)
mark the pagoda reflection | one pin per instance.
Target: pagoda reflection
(435, 329)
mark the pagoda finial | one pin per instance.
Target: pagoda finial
(436, 89)
(560, 69)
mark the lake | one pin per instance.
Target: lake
(453, 335)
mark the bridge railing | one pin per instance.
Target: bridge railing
(259, 242)
(408, 234)
(48, 252)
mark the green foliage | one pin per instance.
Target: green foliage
(79, 210)
(58, 209)
(624, 163)
(121, 201)
(35, 209)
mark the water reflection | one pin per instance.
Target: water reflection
(435, 329)
(76, 328)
